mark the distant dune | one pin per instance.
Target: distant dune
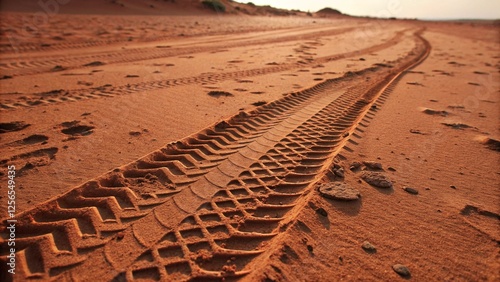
(148, 7)
(328, 11)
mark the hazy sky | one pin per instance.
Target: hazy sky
(423, 9)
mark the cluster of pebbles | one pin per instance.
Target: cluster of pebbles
(372, 173)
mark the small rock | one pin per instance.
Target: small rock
(58, 68)
(355, 166)
(119, 236)
(427, 188)
(410, 190)
(368, 247)
(377, 179)
(373, 165)
(415, 131)
(339, 191)
(453, 187)
(391, 168)
(310, 248)
(402, 270)
(339, 172)
(134, 133)
(220, 93)
(456, 125)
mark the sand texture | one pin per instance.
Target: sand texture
(238, 147)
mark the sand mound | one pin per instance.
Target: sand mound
(329, 12)
(491, 143)
(127, 7)
(146, 7)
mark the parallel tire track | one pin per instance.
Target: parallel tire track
(112, 91)
(45, 64)
(206, 207)
(14, 47)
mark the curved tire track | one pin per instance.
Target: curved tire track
(206, 207)
(111, 91)
(44, 64)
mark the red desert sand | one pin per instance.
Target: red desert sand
(180, 141)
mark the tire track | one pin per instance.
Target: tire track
(44, 64)
(112, 91)
(31, 47)
(209, 206)
(8, 48)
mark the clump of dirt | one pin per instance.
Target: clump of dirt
(377, 179)
(36, 138)
(220, 94)
(12, 126)
(339, 191)
(259, 103)
(74, 128)
(457, 125)
(434, 112)
(94, 64)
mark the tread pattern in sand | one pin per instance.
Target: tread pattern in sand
(210, 78)
(43, 63)
(208, 206)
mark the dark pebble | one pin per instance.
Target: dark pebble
(373, 165)
(368, 247)
(410, 190)
(355, 166)
(402, 270)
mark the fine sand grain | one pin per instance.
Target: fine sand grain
(251, 146)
